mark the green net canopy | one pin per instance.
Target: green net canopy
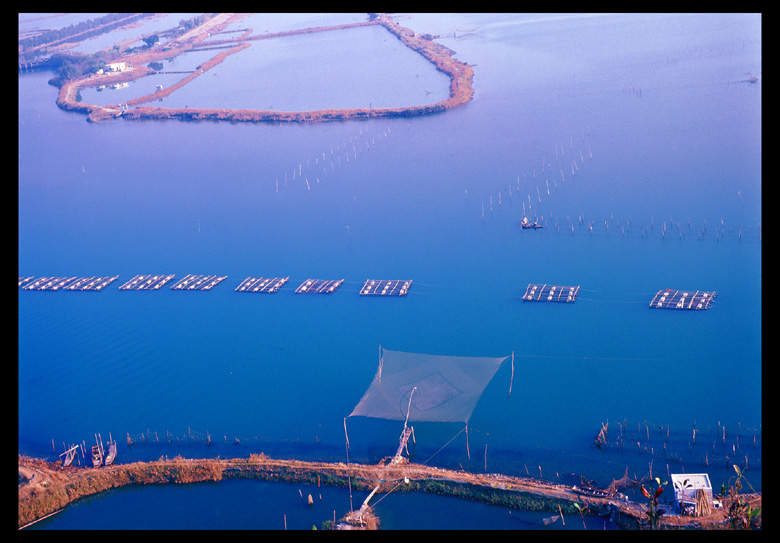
(441, 388)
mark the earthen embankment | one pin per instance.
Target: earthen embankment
(460, 90)
(45, 488)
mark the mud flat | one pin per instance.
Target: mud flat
(460, 74)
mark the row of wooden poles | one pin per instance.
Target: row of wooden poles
(189, 438)
(718, 446)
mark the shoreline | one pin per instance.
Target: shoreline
(460, 74)
(46, 488)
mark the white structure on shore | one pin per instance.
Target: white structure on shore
(693, 493)
(116, 67)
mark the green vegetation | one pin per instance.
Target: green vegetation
(741, 515)
(653, 513)
(491, 496)
(74, 65)
(194, 22)
(82, 30)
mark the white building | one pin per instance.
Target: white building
(689, 486)
(116, 67)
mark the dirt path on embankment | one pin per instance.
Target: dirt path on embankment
(45, 488)
(441, 57)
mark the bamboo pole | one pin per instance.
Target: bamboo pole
(468, 454)
(512, 376)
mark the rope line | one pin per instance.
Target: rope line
(443, 446)
(590, 358)
(424, 463)
(611, 301)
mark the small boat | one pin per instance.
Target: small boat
(587, 490)
(111, 456)
(525, 223)
(97, 456)
(69, 455)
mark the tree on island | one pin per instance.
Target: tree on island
(149, 41)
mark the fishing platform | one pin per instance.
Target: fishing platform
(66, 283)
(260, 284)
(318, 286)
(197, 282)
(385, 287)
(525, 223)
(146, 282)
(551, 293)
(682, 299)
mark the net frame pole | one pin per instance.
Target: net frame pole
(512, 376)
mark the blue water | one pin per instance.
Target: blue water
(660, 103)
(229, 505)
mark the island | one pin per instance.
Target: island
(135, 66)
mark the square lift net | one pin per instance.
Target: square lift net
(441, 388)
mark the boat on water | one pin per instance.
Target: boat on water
(525, 223)
(588, 490)
(69, 455)
(97, 454)
(111, 455)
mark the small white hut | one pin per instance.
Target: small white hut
(116, 67)
(693, 493)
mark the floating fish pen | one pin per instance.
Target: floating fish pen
(198, 282)
(146, 282)
(66, 283)
(261, 284)
(318, 286)
(551, 293)
(689, 445)
(46, 283)
(391, 287)
(682, 299)
(95, 284)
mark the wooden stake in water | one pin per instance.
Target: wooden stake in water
(512, 376)
(349, 475)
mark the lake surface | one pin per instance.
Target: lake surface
(642, 128)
